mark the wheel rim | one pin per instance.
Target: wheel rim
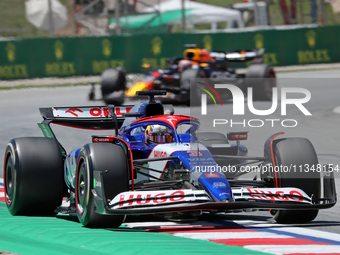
(81, 189)
(9, 180)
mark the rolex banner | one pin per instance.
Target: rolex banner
(61, 57)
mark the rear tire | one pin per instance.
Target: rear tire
(261, 77)
(291, 152)
(112, 80)
(100, 157)
(33, 176)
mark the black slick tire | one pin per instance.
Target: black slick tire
(261, 77)
(33, 176)
(100, 157)
(112, 80)
(296, 152)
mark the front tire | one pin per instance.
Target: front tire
(33, 176)
(296, 152)
(100, 157)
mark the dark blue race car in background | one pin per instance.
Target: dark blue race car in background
(156, 162)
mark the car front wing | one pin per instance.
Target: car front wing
(167, 201)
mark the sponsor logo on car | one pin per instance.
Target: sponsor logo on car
(280, 195)
(160, 154)
(273, 194)
(128, 199)
(219, 185)
(89, 112)
(152, 197)
(102, 139)
(240, 136)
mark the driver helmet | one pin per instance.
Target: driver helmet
(184, 64)
(158, 134)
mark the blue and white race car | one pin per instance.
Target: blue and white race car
(157, 162)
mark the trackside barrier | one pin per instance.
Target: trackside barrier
(61, 57)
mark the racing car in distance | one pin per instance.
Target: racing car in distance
(157, 162)
(187, 76)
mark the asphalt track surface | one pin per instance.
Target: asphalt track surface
(19, 115)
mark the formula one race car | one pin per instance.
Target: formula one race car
(157, 163)
(181, 77)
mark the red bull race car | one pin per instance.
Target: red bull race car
(185, 78)
(156, 162)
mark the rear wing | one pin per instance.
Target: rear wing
(238, 55)
(86, 117)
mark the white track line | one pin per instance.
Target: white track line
(158, 224)
(230, 235)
